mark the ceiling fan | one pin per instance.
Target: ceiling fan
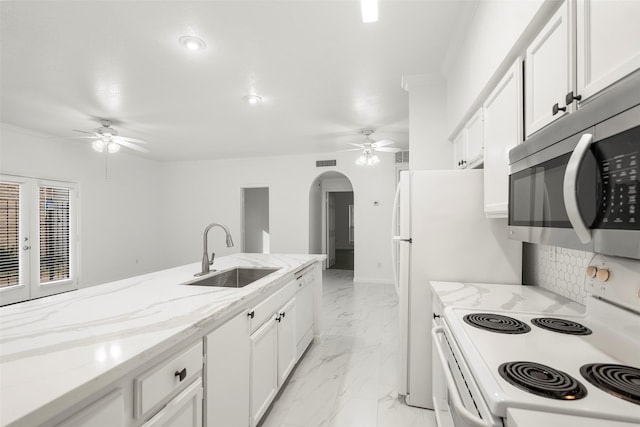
(107, 138)
(369, 148)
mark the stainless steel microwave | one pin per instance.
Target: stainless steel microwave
(581, 189)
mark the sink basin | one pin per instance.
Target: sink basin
(235, 278)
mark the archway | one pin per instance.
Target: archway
(332, 219)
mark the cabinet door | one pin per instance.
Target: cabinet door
(549, 70)
(304, 315)
(502, 129)
(459, 150)
(286, 340)
(227, 374)
(108, 411)
(264, 369)
(474, 144)
(608, 43)
(185, 410)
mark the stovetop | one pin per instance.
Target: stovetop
(549, 356)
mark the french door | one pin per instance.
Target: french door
(38, 238)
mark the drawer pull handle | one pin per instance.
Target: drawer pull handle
(435, 316)
(282, 314)
(181, 374)
(251, 314)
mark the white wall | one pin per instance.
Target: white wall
(428, 144)
(315, 217)
(497, 33)
(290, 180)
(120, 219)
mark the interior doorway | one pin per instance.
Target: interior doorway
(340, 230)
(332, 220)
(255, 220)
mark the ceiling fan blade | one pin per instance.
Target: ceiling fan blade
(350, 149)
(84, 131)
(130, 145)
(388, 149)
(83, 137)
(383, 143)
(360, 146)
(136, 140)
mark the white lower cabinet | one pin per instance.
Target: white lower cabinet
(304, 313)
(264, 368)
(107, 411)
(185, 410)
(227, 374)
(286, 327)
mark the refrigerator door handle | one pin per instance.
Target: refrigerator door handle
(394, 247)
(400, 239)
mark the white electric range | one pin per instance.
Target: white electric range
(498, 368)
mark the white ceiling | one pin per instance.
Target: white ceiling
(323, 74)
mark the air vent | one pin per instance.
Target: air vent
(325, 163)
(402, 157)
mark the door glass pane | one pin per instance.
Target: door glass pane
(9, 234)
(54, 234)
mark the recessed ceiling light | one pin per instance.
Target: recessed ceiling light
(253, 99)
(192, 43)
(369, 11)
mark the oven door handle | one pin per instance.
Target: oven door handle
(570, 190)
(472, 419)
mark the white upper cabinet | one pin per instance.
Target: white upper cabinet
(459, 150)
(502, 130)
(474, 144)
(586, 46)
(549, 71)
(608, 40)
(467, 145)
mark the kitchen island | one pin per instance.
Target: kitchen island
(61, 353)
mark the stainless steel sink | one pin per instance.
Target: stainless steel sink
(235, 278)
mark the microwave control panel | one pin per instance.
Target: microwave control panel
(619, 163)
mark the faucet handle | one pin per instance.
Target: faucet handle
(213, 255)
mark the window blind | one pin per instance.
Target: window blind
(9, 234)
(54, 234)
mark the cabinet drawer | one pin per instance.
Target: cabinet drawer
(159, 382)
(266, 308)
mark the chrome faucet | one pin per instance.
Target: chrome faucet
(205, 254)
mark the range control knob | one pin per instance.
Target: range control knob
(603, 274)
(592, 271)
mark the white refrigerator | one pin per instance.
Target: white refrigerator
(440, 232)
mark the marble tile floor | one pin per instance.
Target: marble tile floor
(347, 378)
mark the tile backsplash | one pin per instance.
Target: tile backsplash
(559, 270)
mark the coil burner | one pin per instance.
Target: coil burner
(562, 326)
(542, 380)
(619, 380)
(497, 323)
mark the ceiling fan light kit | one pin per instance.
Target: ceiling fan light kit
(107, 138)
(368, 148)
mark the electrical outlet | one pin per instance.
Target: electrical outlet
(552, 253)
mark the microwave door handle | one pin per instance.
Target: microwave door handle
(570, 190)
(454, 395)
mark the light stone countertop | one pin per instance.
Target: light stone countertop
(522, 298)
(57, 350)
